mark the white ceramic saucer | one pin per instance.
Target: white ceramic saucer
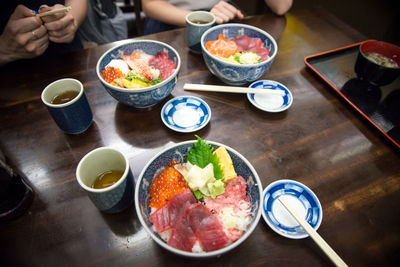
(301, 198)
(270, 102)
(185, 114)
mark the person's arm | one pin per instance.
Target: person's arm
(63, 26)
(23, 37)
(225, 12)
(279, 7)
(165, 12)
(168, 13)
(78, 11)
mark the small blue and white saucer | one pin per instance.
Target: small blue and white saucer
(185, 114)
(270, 102)
(301, 198)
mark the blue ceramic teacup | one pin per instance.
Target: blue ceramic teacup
(197, 23)
(116, 197)
(73, 116)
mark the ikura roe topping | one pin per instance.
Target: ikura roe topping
(166, 185)
(109, 74)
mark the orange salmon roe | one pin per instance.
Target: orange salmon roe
(109, 74)
(166, 185)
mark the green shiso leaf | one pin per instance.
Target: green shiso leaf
(201, 154)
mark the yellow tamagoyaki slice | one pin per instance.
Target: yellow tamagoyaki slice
(226, 164)
(134, 83)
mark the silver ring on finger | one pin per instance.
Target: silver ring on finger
(34, 34)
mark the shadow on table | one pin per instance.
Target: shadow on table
(125, 223)
(140, 127)
(91, 137)
(144, 128)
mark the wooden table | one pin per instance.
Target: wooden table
(319, 141)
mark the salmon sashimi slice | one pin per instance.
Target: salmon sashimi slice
(134, 55)
(222, 47)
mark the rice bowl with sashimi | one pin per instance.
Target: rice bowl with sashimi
(182, 221)
(139, 73)
(238, 53)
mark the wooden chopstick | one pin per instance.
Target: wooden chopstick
(230, 89)
(313, 234)
(51, 12)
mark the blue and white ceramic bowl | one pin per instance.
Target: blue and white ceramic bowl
(186, 114)
(141, 97)
(178, 152)
(301, 198)
(231, 73)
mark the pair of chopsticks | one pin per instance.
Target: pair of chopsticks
(51, 12)
(333, 256)
(231, 89)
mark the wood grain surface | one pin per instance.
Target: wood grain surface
(320, 141)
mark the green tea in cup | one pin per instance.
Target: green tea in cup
(64, 97)
(106, 179)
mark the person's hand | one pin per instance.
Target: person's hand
(61, 27)
(225, 12)
(23, 37)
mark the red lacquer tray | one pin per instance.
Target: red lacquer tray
(380, 106)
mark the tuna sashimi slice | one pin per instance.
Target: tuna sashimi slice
(245, 43)
(248, 44)
(164, 64)
(182, 236)
(165, 217)
(206, 227)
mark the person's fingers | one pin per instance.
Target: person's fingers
(22, 20)
(239, 14)
(23, 38)
(44, 8)
(22, 12)
(42, 44)
(53, 17)
(38, 33)
(23, 25)
(59, 33)
(60, 24)
(66, 38)
(220, 17)
(37, 47)
(225, 12)
(227, 6)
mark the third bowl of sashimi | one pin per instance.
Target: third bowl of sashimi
(187, 236)
(237, 53)
(139, 73)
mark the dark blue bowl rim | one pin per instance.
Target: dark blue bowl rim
(228, 25)
(199, 127)
(144, 89)
(204, 254)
